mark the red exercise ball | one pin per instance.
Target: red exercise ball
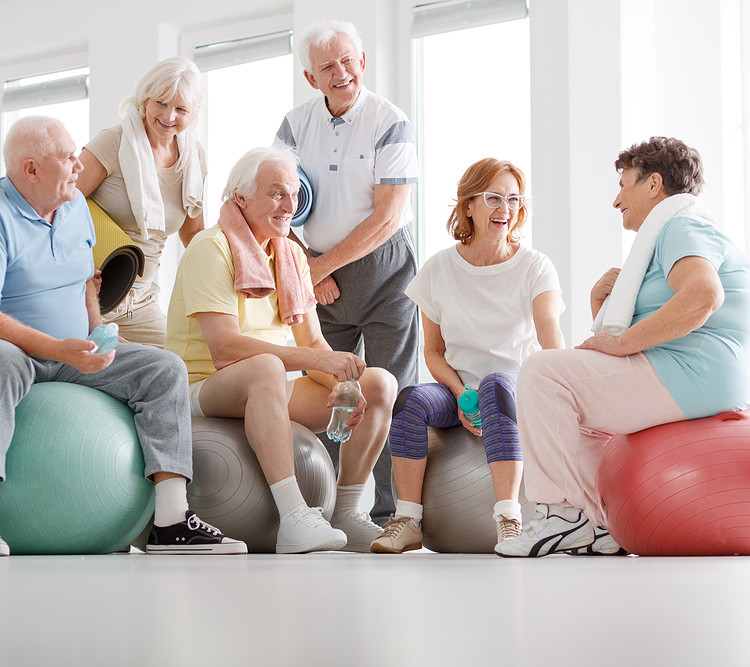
(680, 489)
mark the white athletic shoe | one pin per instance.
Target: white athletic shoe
(4, 548)
(603, 545)
(554, 529)
(305, 530)
(360, 531)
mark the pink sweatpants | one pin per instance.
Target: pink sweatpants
(569, 403)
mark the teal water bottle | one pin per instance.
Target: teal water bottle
(105, 336)
(469, 404)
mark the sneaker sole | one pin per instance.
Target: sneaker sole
(589, 551)
(333, 544)
(198, 550)
(224, 550)
(376, 548)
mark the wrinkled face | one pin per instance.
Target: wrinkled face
(270, 210)
(634, 200)
(337, 71)
(57, 172)
(166, 118)
(494, 223)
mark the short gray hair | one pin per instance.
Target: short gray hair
(320, 34)
(27, 138)
(243, 178)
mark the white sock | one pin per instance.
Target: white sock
(287, 496)
(170, 503)
(507, 509)
(347, 500)
(411, 510)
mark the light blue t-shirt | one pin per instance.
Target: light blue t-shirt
(44, 267)
(708, 370)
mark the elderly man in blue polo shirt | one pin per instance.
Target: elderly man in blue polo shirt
(48, 306)
(358, 151)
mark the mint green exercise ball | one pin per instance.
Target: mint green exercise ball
(74, 474)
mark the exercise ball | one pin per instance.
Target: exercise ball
(74, 474)
(458, 496)
(230, 491)
(680, 489)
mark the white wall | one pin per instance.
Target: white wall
(604, 74)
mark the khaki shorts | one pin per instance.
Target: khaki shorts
(195, 390)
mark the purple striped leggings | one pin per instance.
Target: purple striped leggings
(422, 405)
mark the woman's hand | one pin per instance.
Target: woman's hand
(468, 425)
(602, 289)
(607, 343)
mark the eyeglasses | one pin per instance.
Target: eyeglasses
(494, 200)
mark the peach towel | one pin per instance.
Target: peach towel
(253, 278)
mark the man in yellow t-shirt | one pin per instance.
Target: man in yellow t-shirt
(237, 358)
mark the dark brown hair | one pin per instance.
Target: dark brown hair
(679, 166)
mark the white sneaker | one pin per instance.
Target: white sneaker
(360, 531)
(603, 545)
(553, 529)
(4, 548)
(305, 530)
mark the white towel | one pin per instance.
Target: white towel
(616, 312)
(142, 182)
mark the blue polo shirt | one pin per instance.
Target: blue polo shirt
(708, 370)
(44, 267)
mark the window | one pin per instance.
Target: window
(473, 101)
(62, 95)
(248, 91)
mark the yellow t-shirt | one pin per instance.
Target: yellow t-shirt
(205, 284)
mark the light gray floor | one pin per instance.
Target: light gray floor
(359, 609)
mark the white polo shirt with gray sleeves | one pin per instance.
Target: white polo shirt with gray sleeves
(345, 158)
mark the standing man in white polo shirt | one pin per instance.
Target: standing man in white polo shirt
(358, 151)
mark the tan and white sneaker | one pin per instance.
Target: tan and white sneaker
(400, 534)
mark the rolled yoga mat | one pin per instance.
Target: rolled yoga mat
(118, 258)
(304, 200)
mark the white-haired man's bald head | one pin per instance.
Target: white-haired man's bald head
(30, 137)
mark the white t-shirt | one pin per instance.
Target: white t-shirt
(484, 312)
(345, 158)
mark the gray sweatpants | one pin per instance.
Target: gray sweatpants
(152, 382)
(375, 319)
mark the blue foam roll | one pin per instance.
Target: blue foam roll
(304, 201)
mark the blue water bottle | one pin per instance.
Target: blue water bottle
(469, 404)
(345, 401)
(105, 336)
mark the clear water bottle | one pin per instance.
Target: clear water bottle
(469, 404)
(345, 400)
(105, 336)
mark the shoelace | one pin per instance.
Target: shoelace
(395, 526)
(509, 528)
(194, 523)
(362, 518)
(309, 516)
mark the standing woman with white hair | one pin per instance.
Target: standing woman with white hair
(147, 174)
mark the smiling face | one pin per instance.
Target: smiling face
(494, 224)
(337, 71)
(57, 172)
(166, 118)
(636, 199)
(269, 211)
